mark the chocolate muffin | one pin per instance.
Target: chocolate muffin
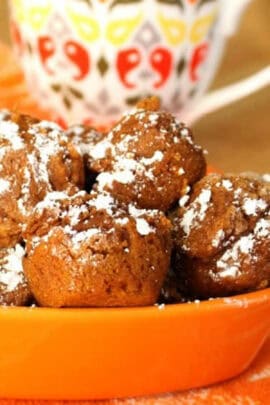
(222, 236)
(14, 289)
(35, 158)
(148, 158)
(90, 250)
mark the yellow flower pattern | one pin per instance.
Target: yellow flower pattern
(118, 32)
(200, 28)
(86, 26)
(35, 16)
(174, 29)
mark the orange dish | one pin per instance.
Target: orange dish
(107, 353)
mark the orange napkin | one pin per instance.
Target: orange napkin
(13, 92)
(251, 388)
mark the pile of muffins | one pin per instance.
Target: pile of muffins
(126, 218)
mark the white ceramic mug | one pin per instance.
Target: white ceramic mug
(91, 60)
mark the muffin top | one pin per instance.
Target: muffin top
(148, 158)
(82, 216)
(143, 136)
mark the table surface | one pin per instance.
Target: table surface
(237, 137)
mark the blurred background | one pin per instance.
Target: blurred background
(237, 137)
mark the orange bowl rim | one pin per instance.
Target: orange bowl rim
(214, 304)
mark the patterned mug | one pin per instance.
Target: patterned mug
(90, 60)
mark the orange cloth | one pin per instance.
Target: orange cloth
(13, 92)
(251, 388)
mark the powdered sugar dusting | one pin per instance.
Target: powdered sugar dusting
(129, 166)
(143, 227)
(227, 184)
(84, 138)
(79, 237)
(230, 262)
(157, 157)
(11, 270)
(38, 143)
(51, 201)
(184, 200)
(10, 131)
(25, 191)
(220, 235)
(262, 228)
(73, 210)
(49, 146)
(100, 149)
(196, 212)
(253, 206)
(4, 186)
(181, 171)
(103, 202)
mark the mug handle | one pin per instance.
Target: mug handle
(220, 98)
(231, 12)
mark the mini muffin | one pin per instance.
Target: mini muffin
(148, 158)
(35, 158)
(86, 138)
(14, 289)
(89, 250)
(222, 236)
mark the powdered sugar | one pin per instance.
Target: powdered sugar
(220, 235)
(49, 146)
(183, 200)
(227, 184)
(4, 185)
(10, 131)
(84, 138)
(153, 118)
(196, 212)
(123, 144)
(103, 202)
(100, 149)
(80, 237)
(143, 227)
(39, 143)
(157, 157)
(25, 191)
(11, 270)
(73, 210)
(230, 262)
(181, 171)
(262, 228)
(253, 206)
(51, 200)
